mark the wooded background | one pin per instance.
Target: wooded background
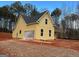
(66, 23)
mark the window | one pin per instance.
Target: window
(20, 32)
(49, 32)
(45, 21)
(41, 32)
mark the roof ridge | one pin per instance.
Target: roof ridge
(29, 20)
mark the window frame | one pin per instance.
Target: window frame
(42, 32)
(20, 32)
(50, 32)
(46, 21)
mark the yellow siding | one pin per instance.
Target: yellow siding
(21, 25)
(45, 27)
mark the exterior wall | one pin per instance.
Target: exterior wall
(21, 25)
(45, 27)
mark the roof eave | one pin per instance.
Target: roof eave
(32, 23)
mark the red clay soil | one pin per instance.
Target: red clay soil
(72, 44)
(5, 36)
(18, 46)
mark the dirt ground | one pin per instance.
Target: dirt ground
(67, 43)
(56, 48)
(5, 36)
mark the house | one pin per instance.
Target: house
(39, 27)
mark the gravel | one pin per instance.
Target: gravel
(13, 48)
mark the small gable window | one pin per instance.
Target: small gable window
(41, 32)
(49, 32)
(45, 21)
(20, 32)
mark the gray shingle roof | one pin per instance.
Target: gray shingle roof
(29, 20)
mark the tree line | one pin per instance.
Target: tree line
(68, 27)
(69, 24)
(10, 13)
